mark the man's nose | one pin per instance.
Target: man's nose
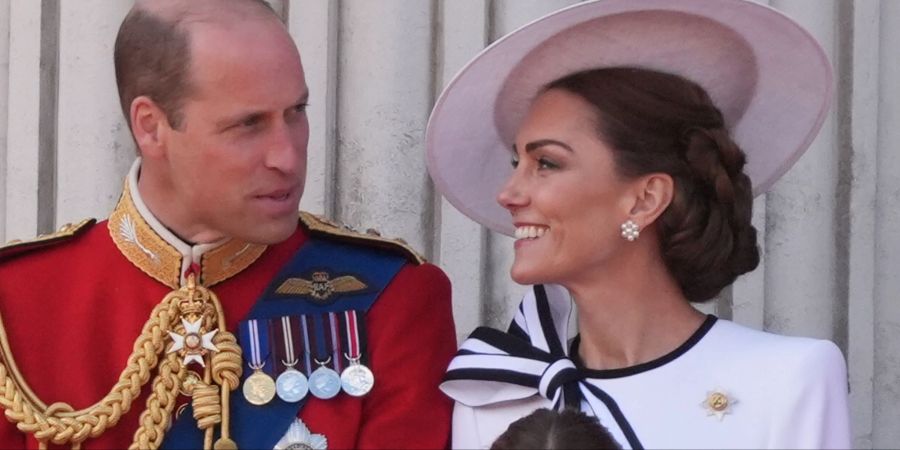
(287, 149)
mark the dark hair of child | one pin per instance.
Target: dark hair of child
(546, 429)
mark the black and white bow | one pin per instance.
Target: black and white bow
(531, 358)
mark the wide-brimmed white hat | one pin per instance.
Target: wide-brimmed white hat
(767, 74)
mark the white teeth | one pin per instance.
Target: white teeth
(530, 232)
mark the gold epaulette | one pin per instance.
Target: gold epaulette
(65, 232)
(320, 225)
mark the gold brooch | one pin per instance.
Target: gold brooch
(718, 403)
(321, 286)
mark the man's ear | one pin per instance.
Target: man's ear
(653, 194)
(149, 126)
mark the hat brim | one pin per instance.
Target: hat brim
(767, 74)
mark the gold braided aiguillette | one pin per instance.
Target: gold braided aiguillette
(60, 424)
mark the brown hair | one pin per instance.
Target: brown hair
(546, 429)
(663, 123)
(152, 52)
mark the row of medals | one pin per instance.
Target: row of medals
(324, 383)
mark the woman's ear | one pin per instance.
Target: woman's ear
(653, 194)
(148, 125)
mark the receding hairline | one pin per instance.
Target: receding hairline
(184, 12)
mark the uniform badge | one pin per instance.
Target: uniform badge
(193, 344)
(298, 436)
(321, 287)
(259, 388)
(718, 403)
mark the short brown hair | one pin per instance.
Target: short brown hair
(546, 429)
(152, 53)
(152, 58)
(663, 123)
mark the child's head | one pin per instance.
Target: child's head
(546, 429)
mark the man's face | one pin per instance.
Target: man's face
(237, 165)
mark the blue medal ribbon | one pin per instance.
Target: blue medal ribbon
(320, 339)
(307, 353)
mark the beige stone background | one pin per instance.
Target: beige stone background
(829, 230)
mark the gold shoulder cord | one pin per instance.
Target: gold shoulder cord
(178, 316)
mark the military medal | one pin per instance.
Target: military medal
(324, 382)
(292, 385)
(193, 344)
(356, 380)
(259, 388)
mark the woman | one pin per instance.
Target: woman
(629, 197)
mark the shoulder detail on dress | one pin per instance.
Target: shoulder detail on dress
(783, 351)
(65, 232)
(321, 226)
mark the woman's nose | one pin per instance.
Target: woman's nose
(512, 196)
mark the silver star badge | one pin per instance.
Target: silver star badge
(192, 344)
(298, 436)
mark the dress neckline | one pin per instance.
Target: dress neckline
(642, 367)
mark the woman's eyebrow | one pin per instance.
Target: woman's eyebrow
(534, 145)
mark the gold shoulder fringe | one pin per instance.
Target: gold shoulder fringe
(320, 225)
(65, 232)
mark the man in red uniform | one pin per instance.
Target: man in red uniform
(111, 334)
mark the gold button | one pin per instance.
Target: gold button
(718, 401)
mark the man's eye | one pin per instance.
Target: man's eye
(251, 122)
(514, 162)
(295, 112)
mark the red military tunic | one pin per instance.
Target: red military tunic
(72, 310)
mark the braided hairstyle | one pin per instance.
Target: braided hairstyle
(661, 123)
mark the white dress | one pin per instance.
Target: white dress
(781, 392)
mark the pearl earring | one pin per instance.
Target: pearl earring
(630, 230)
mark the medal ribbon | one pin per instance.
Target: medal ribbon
(336, 352)
(353, 351)
(258, 338)
(289, 356)
(307, 352)
(320, 338)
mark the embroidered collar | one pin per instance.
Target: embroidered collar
(160, 254)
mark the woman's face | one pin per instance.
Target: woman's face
(566, 199)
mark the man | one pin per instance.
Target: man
(123, 332)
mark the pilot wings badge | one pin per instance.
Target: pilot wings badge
(321, 287)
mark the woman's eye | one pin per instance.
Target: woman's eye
(514, 162)
(544, 163)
